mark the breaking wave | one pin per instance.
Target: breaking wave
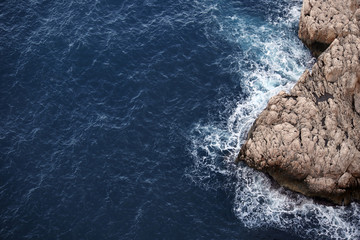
(271, 60)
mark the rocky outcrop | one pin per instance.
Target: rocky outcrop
(309, 139)
(322, 21)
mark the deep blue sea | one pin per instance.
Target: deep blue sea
(122, 119)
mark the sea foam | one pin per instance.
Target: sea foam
(272, 60)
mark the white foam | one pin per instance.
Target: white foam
(271, 60)
(258, 205)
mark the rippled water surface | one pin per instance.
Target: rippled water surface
(122, 119)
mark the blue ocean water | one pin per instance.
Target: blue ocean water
(122, 119)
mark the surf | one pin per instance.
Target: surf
(271, 60)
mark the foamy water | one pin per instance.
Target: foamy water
(277, 59)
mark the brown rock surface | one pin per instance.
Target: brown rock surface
(309, 140)
(322, 21)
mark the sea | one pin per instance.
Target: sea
(122, 119)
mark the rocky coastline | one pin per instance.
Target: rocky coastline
(308, 140)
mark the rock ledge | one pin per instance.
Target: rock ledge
(322, 21)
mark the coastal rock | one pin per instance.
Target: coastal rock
(322, 21)
(309, 139)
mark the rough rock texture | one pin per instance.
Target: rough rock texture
(309, 140)
(322, 21)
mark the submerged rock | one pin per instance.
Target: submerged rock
(309, 139)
